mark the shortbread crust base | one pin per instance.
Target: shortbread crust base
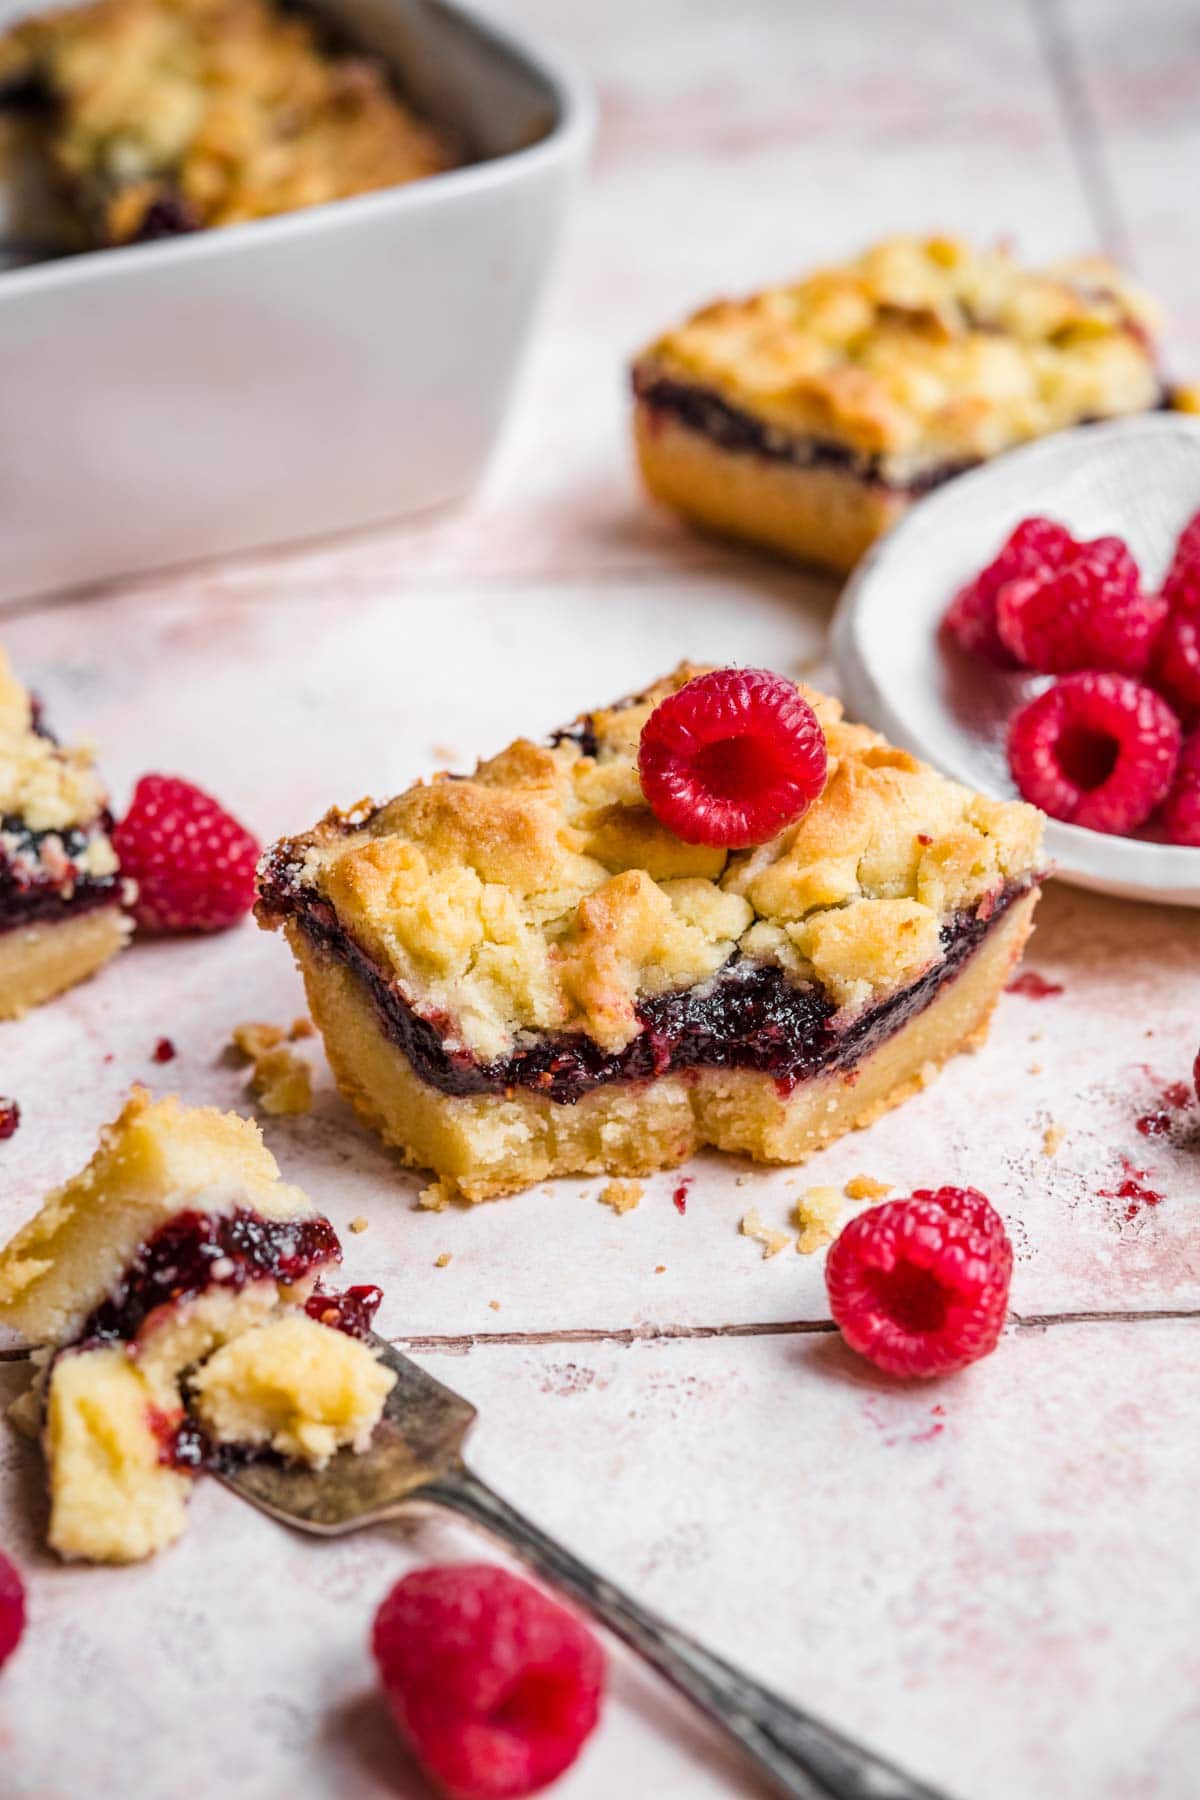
(821, 515)
(483, 1146)
(44, 959)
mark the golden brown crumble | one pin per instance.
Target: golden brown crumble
(436, 1197)
(925, 352)
(253, 1039)
(358, 1224)
(865, 1187)
(442, 1261)
(816, 1213)
(282, 1082)
(772, 1241)
(541, 894)
(1052, 1138)
(622, 1196)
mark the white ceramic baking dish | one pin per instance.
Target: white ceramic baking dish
(304, 374)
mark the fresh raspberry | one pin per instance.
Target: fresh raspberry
(1177, 661)
(1180, 816)
(1181, 589)
(967, 1204)
(494, 1685)
(193, 863)
(1036, 547)
(920, 1286)
(1089, 613)
(12, 1608)
(1095, 749)
(732, 758)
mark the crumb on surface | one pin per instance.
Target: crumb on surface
(282, 1082)
(434, 1198)
(660, 1268)
(1052, 1137)
(865, 1187)
(442, 1261)
(1035, 1068)
(254, 1038)
(753, 1226)
(816, 1213)
(622, 1196)
(302, 1028)
(495, 1305)
(358, 1224)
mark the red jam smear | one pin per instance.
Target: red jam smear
(1034, 986)
(1173, 1099)
(1133, 1191)
(352, 1311)
(679, 1197)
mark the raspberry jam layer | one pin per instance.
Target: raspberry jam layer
(40, 882)
(196, 1251)
(708, 414)
(741, 433)
(749, 1016)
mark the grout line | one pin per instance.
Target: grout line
(644, 1334)
(1083, 128)
(629, 1334)
(1128, 1316)
(649, 1334)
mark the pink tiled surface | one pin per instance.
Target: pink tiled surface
(1002, 1595)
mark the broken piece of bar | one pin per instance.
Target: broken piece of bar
(523, 974)
(808, 417)
(61, 892)
(175, 1289)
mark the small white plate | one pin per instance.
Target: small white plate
(1139, 478)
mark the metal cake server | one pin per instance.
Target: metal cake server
(415, 1460)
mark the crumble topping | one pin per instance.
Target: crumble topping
(48, 789)
(171, 115)
(542, 895)
(924, 352)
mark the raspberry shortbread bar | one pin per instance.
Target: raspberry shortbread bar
(60, 889)
(176, 1287)
(525, 973)
(808, 417)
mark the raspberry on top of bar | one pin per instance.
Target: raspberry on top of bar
(921, 356)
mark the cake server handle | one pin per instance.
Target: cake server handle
(799, 1755)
